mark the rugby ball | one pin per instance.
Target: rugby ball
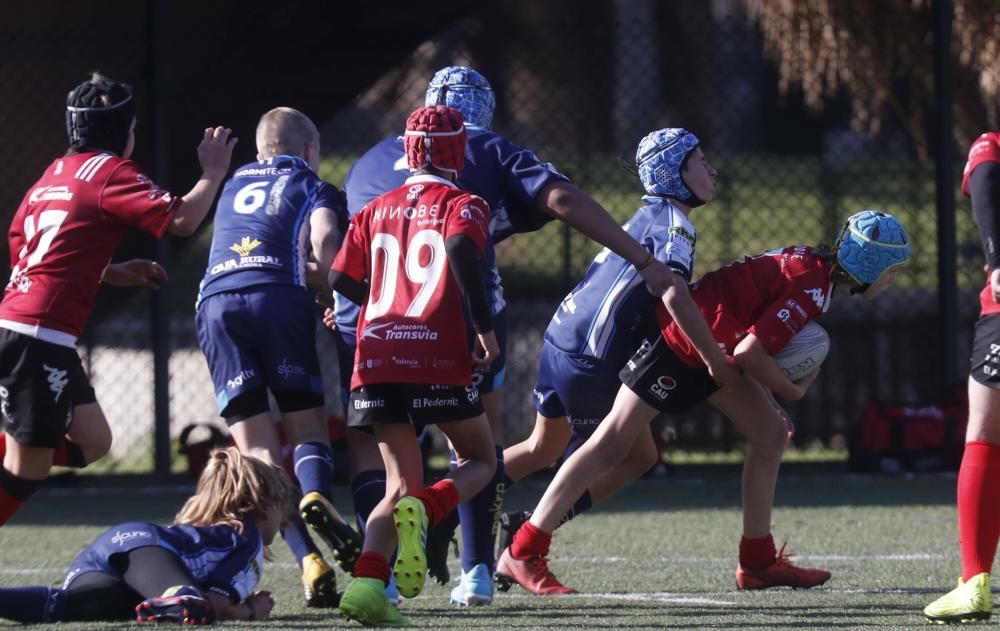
(804, 352)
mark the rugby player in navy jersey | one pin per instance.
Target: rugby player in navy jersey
(256, 325)
(410, 260)
(61, 240)
(756, 305)
(523, 194)
(204, 567)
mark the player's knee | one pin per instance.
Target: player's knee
(771, 440)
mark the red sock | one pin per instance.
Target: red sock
(372, 564)
(757, 554)
(14, 492)
(439, 499)
(529, 541)
(978, 510)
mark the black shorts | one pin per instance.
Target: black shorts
(660, 378)
(415, 403)
(985, 360)
(40, 383)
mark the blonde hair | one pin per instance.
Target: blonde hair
(285, 130)
(234, 487)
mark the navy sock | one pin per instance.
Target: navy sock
(32, 604)
(296, 535)
(368, 489)
(480, 518)
(314, 468)
(582, 505)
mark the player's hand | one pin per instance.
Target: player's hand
(995, 284)
(804, 383)
(215, 151)
(134, 273)
(328, 320)
(725, 372)
(263, 603)
(659, 278)
(486, 352)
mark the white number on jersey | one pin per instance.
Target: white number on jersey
(251, 197)
(386, 251)
(49, 222)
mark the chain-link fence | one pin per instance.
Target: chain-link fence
(579, 85)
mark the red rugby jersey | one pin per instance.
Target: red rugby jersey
(772, 295)
(64, 233)
(412, 330)
(986, 148)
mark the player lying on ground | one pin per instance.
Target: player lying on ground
(257, 326)
(61, 239)
(524, 194)
(204, 567)
(409, 257)
(755, 307)
(979, 474)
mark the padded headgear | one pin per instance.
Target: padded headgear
(870, 243)
(661, 157)
(435, 137)
(465, 90)
(95, 122)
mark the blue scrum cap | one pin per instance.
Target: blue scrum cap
(465, 90)
(870, 243)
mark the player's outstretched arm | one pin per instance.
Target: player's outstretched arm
(214, 153)
(256, 607)
(752, 357)
(685, 313)
(134, 273)
(581, 211)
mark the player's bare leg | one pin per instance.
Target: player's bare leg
(525, 560)
(257, 436)
(547, 442)
(90, 431)
(641, 457)
(753, 413)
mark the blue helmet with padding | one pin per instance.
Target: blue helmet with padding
(871, 243)
(660, 159)
(465, 90)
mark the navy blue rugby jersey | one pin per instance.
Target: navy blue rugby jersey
(508, 177)
(261, 232)
(605, 315)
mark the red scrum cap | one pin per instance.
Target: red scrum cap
(435, 137)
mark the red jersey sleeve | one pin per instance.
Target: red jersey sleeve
(786, 316)
(986, 148)
(470, 216)
(131, 196)
(352, 259)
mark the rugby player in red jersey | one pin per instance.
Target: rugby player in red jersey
(754, 307)
(979, 473)
(408, 258)
(61, 240)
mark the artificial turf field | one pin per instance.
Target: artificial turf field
(661, 555)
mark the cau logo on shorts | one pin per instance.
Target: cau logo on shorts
(664, 384)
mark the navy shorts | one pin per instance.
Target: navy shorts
(660, 378)
(97, 557)
(578, 387)
(260, 336)
(40, 385)
(414, 403)
(985, 360)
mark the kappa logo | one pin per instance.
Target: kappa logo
(245, 246)
(817, 296)
(413, 193)
(57, 380)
